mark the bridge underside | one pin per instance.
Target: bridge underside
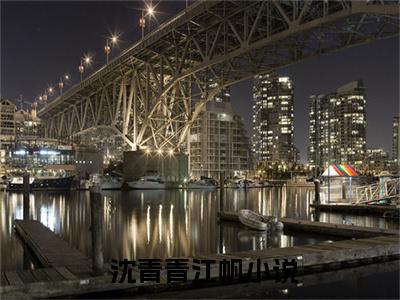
(146, 95)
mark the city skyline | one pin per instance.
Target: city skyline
(327, 71)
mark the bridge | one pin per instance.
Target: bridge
(146, 95)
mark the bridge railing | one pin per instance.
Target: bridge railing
(389, 189)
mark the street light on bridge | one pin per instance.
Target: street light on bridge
(86, 60)
(110, 41)
(63, 79)
(142, 21)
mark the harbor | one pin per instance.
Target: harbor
(200, 149)
(144, 223)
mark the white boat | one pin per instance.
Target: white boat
(202, 183)
(147, 183)
(111, 183)
(257, 221)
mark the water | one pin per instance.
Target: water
(160, 224)
(374, 281)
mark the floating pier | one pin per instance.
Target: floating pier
(382, 210)
(348, 231)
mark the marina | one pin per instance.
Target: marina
(200, 149)
(64, 267)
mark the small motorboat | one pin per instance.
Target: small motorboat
(257, 221)
(253, 220)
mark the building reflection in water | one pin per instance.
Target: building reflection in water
(160, 224)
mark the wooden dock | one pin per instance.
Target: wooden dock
(51, 250)
(21, 277)
(348, 231)
(381, 210)
(74, 279)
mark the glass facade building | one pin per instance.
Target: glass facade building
(396, 144)
(337, 127)
(272, 140)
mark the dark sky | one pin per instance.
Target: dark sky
(40, 41)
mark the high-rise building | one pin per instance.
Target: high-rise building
(376, 160)
(272, 141)
(396, 143)
(337, 130)
(7, 123)
(319, 147)
(218, 141)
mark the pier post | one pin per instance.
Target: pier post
(96, 208)
(221, 191)
(317, 190)
(344, 190)
(25, 189)
(26, 209)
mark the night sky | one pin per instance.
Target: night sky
(41, 41)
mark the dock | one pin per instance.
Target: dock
(67, 272)
(348, 231)
(50, 250)
(381, 210)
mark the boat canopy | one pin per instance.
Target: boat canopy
(339, 170)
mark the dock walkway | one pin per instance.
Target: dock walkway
(51, 250)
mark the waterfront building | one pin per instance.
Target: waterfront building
(7, 131)
(396, 144)
(218, 141)
(272, 140)
(28, 127)
(337, 128)
(7, 123)
(376, 161)
(18, 126)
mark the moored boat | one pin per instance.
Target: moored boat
(235, 184)
(258, 221)
(253, 220)
(42, 183)
(202, 183)
(111, 183)
(147, 183)
(249, 183)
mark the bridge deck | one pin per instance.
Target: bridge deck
(51, 250)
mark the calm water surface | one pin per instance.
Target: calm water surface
(160, 224)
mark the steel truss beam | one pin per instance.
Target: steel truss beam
(145, 95)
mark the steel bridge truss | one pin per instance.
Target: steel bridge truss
(147, 94)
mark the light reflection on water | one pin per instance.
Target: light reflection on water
(160, 224)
